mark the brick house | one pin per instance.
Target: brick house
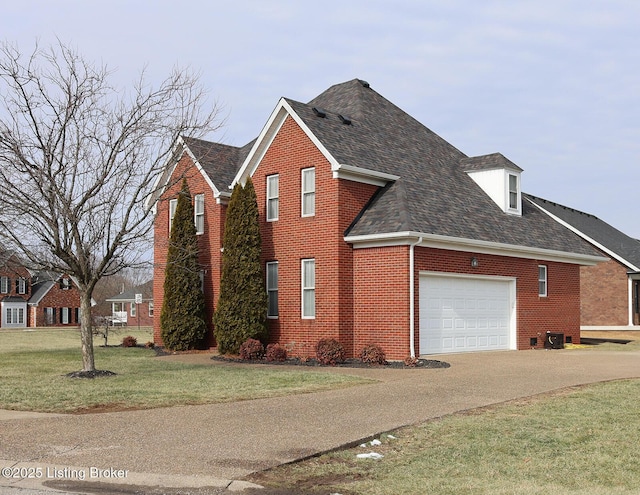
(610, 291)
(38, 299)
(126, 311)
(377, 230)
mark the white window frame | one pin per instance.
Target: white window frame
(133, 309)
(173, 205)
(5, 283)
(511, 193)
(272, 289)
(150, 308)
(65, 316)
(308, 288)
(21, 285)
(543, 280)
(198, 213)
(273, 197)
(308, 192)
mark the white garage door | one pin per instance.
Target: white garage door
(466, 314)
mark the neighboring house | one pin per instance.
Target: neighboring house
(127, 310)
(376, 230)
(610, 291)
(39, 299)
(15, 290)
(54, 301)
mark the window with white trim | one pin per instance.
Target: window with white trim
(150, 308)
(542, 280)
(65, 316)
(309, 288)
(514, 192)
(4, 285)
(308, 192)
(21, 285)
(15, 316)
(173, 204)
(273, 197)
(272, 289)
(198, 213)
(49, 316)
(133, 309)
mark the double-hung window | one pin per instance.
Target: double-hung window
(272, 289)
(65, 316)
(198, 213)
(273, 197)
(133, 309)
(513, 192)
(21, 285)
(309, 288)
(542, 280)
(4, 285)
(173, 204)
(308, 192)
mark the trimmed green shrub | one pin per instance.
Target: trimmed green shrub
(275, 352)
(330, 351)
(182, 319)
(241, 312)
(129, 341)
(373, 354)
(251, 350)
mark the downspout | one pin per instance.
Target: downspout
(630, 301)
(412, 291)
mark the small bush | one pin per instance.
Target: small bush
(411, 361)
(373, 354)
(329, 351)
(129, 341)
(275, 352)
(251, 349)
(149, 345)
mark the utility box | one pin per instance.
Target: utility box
(554, 341)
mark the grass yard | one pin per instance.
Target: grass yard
(33, 365)
(581, 441)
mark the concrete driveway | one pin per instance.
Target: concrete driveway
(212, 445)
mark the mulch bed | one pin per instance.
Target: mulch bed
(349, 363)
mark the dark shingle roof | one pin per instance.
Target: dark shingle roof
(591, 226)
(434, 194)
(219, 161)
(488, 162)
(145, 289)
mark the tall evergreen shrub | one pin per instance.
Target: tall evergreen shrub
(242, 306)
(182, 318)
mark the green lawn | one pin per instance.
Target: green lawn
(33, 365)
(584, 441)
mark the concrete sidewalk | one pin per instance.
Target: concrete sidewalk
(212, 445)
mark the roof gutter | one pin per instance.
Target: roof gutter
(412, 303)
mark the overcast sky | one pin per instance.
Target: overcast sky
(552, 85)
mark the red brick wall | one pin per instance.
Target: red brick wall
(209, 243)
(292, 238)
(382, 299)
(558, 312)
(605, 294)
(57, 298)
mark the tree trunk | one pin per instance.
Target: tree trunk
(86, 332)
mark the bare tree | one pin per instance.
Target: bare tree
(78, 158)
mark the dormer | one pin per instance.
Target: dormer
(499, 177)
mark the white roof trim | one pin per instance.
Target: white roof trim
(609, 252)
(270, 131)
(470, 245)
(358, 174)
(161, 182)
